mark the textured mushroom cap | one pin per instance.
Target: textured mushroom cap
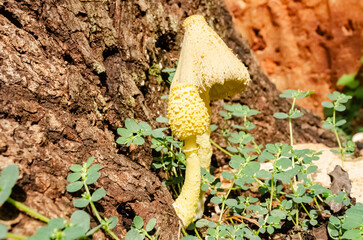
(207, 62)
(187, 113)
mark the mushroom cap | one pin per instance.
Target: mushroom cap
(187, 113)
(207, 63)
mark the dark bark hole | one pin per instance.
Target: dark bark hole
(166, 41)
(68, 58)
(127, 213)
(82, 15)
(10, 16)
(109, 52)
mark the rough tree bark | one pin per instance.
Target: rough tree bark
(72, 71)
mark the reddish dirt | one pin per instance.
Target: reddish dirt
(303, 45)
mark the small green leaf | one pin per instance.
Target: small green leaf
(333, 96)
(311, 169)
(138, 222)
(281, 115)
(213, 127)
(3, 231)
(44, 232)
(354, 234)
(284, 163)
(340, 122)
(227, 175)
(348, 80)
(82, 220)
(189, 237)
(93, 230)
(4, 195)
(251, 168)
(327, 104)
(131, 125)
(73, 232)
(80, 202)
(124, 132)
(201, 223)
(57, 223)
(89, 161)
(74, 186)
(74, 177)
(216, 200)
(296, 114)
(144, 126)
(340, 108)
(162, 120)
(112, 222)
(8, 177)
(98, 194)
(270, 230)
(231, 202)
(289, 93)
(138, 140)
(92, 178)
(133, 234)
(205, 187)
(76, 168)
(150, 225)
(93, 169)
(263, 174)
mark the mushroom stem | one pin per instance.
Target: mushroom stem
(205, 152)
(186, 204)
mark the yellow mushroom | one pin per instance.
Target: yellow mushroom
(207, 63)
(188, 117)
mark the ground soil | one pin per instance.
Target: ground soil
(73, 71)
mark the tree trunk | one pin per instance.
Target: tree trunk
(73, 71)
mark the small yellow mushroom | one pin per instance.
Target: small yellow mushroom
(188, 117)
(207, 63)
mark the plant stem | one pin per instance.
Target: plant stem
(272, 191)
(299, 236)
(292, 139)
(15, 236)
(220, 148)
(224, 202)
(184, 232)
(317, 204)
(28, 210)
(306, 211)
(196, 233)
(95, 212)
(337, 136)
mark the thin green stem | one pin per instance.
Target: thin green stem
(197, 233)
(292, 138)
(290, 124)
(306, 211)
(259, 181)
(95, 212)
(299, 236)
(337, 136)
(15, 236)
(28, 210)
(264, 222)
(224, 203)
(184, 232)
(317, 204)
(220, 148)
(292, 219)
(272, 191)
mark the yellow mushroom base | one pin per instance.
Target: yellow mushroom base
(186, 204)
